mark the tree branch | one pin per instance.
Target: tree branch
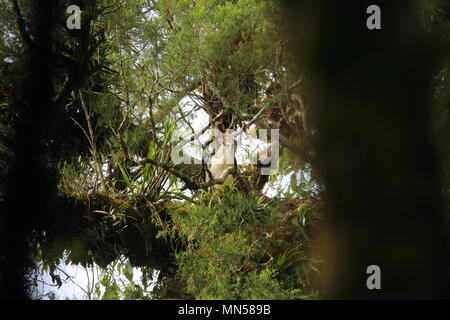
(21, 24)
(176, 173)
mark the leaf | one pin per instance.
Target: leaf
(125, 177)
(101, 211)
(105, 281)
(97, 289)
(294, 181)
(311, 183)
(128, 271)
(151, 151)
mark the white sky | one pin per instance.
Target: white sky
(82, 279)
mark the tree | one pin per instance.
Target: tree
(116, 92)
(91, 118)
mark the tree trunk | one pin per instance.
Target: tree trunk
(369, 94)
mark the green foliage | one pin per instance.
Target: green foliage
(116, 283)
(234, 252)
(152, 55)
